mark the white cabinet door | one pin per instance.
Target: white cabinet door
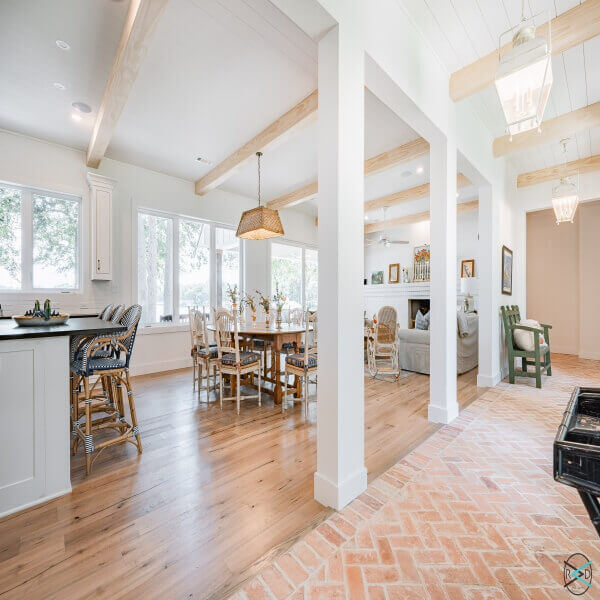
(103, 226)
(101, 190)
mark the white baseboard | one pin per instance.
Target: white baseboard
(339, 495)
(488, 380)
(41, 500)
(160, 366)
(564, 350)
(442, 414)
(591, 354)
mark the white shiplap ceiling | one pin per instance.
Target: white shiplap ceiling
(462, 31)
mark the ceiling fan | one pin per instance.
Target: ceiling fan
(384, 240)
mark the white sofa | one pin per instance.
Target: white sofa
(414, 346)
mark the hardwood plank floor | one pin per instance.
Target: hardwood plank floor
(213, 497)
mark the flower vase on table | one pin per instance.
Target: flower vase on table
(268, 319)
(279, 300)
(278, 319)
(253, 318)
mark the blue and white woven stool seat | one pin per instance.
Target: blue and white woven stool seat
(297, 360)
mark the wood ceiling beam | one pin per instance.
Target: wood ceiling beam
(553, 130)
(420, 191)
(405, 153)
(417, 218)
(302, 114)
(569, 29)
(140, 23)
(583, 165)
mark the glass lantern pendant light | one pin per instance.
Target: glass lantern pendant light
(259, 223)
(565, 195)
(524, 75)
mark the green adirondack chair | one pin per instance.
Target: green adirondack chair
(539, 357)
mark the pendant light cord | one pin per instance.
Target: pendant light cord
(259, 154)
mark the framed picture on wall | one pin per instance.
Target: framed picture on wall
(467, 268)
(377, 278)
(507, 270)
(394, 273)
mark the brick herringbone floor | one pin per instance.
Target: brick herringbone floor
(472, 514)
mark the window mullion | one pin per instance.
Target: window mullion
(175, 254)
(303, 282)
(213, 268)
(26, 241)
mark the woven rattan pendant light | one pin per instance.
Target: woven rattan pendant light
(259, 223)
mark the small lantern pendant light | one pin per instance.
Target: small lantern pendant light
(565, 195)
(259, 223)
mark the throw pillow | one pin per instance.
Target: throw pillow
(422, 321)
(524, 339)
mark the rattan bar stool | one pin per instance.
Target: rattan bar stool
(102, 404)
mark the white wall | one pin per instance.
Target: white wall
(31, 162)
(379, 257)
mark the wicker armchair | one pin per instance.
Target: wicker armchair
(382, 343)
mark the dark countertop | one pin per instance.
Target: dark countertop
(9, 330)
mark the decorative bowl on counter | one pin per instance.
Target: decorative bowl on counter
(31, 321)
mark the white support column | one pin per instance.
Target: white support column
(341, 474)
(443, 406)
(488, 252)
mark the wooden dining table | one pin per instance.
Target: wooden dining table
(277, 337)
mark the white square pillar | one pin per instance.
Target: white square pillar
(488, 252)
(443, 406)
(341, 474)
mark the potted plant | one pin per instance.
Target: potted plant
(233, 294)
(265, 302)
(279, 300)
(251, 304)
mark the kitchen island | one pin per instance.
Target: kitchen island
(34, 410)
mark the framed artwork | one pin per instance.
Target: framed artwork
(394, 273)
(421, 263)
(467, 268)
(507, 271)
(376, 277)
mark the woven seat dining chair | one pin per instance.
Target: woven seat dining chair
(101, 405)
(382, 343)
(232, 361)
(199, 340)
(295, 316)
(207, 356)
(303, 364)
(264, 347)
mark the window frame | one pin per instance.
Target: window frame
(27, 288)
(285, 242)
(176, 324)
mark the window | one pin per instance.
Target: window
(155, 268)
(39, 240)
(183, 263)
(227, 258)
(294, 269)
(194, 265)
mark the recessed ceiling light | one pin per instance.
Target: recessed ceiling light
(366, 217)
(60, 86)
(406, 173)
(63, 45)
(419, 169)
(82, 107)
(76, 117)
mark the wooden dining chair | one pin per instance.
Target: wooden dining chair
(207, 355)
(232, 361)
(303, 364)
